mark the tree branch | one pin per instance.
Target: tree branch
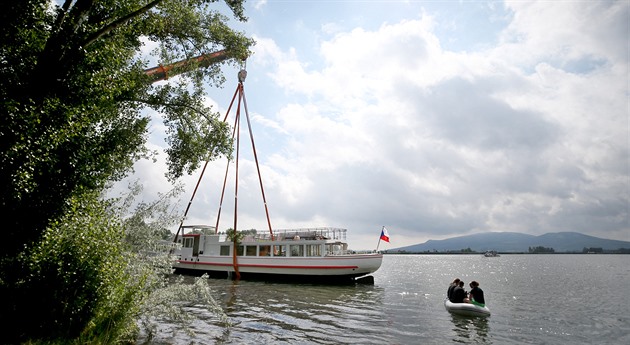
(62, 14)
(119, 22)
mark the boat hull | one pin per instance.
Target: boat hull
(328, 267)
(466, 309)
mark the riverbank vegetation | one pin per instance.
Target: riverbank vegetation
(102, 275)
(75, 103)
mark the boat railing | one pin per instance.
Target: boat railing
(366, 251)
(320, 233)
(324, 233)
(336, 234)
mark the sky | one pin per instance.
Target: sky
(434, 119)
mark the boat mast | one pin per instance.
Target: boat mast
(251, 136)
(240, 93)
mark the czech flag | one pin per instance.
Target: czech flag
(384, 235)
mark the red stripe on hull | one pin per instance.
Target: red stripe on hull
(267, 266)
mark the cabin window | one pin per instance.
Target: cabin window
(239, 250)
(188, 242)
(297, 250)
(264, 250)
(225, 251)
(313, 250)
(334, 249)
(250, 251)
(280, 250)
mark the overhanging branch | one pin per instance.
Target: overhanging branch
(119, 22)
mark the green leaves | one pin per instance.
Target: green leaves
(74, 100)
(234, 236)
(74, 275)
(75, 97)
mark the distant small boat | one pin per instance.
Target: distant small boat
(491, 254)
(465, 309)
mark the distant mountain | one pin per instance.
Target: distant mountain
(516, 242)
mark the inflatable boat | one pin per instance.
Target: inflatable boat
(466, 309)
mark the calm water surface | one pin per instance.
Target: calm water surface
(534, 299)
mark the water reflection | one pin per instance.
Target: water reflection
(289, 313)
(294, 312)
(471, 329)
(231, 294)
(230, 301)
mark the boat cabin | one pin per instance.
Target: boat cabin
(316, 242)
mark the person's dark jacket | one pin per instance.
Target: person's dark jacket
(477, 294)
(449, 292)
(458, 295)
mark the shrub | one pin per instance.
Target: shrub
(76, 282)
(95, 278)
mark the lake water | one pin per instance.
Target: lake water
(534, 299)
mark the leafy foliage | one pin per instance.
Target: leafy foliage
(74, 90)
(77, 280)
(166, 297)
(74, 100)
(540, 250)
(95, 277)
(235, 236)
(171, 303)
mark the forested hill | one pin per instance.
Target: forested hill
(515, 242)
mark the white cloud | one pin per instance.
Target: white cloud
(398, 130)
(562, 32)
(387, 127)
(260, 4)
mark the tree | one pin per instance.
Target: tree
(74, 91)
(541, 250)
(592, 250)
(74, 95)
(235, 236)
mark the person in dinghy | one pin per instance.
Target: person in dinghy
(449, 292)
(459, 295)
(476, 294)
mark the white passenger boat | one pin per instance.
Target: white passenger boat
(466, 309)
(318, 254)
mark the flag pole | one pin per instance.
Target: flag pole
(379, 238)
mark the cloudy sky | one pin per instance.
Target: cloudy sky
(432, 118)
